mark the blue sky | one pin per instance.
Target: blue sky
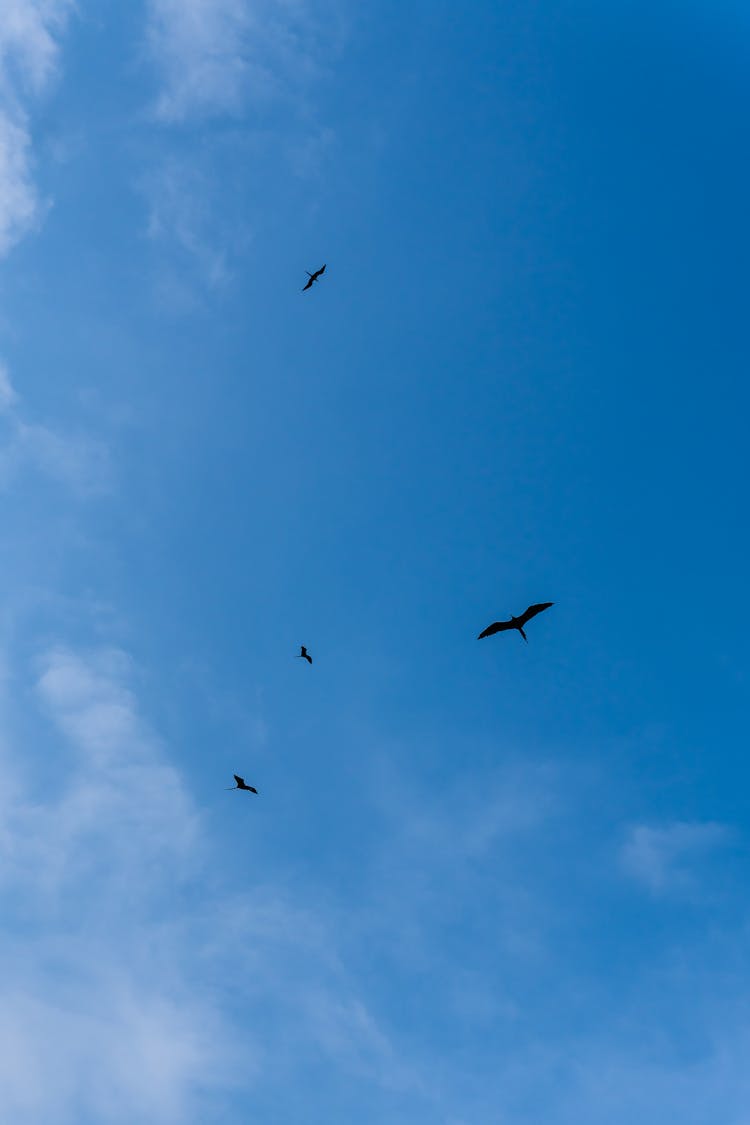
(483, 883)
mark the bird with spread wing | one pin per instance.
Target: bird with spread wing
(515, 622)
(241, 784)
(313, 277)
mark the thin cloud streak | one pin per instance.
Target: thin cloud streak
(99, 999)
(19, 200)
(76, 461)
(215, 55)
(116, 989)
(200, 47)
(29, 49)
(660, 857)
(242, 60)
(181, 212)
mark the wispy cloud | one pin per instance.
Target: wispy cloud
(116, 792)
(140, 986)
(662, 857)
(19, 202)
(302, 977)
(8, 396)
(114, 976)
(251, 61)
(181, 212)
(29, 40)
(201, 48)
(78, 462)
(29, 45)
(444, 855)
(215, 54)
(101, 1019)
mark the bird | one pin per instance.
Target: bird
(241, 784)
(304, 654)
(313, 277)
(515, 622)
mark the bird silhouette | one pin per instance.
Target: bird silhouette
(241, 785)
(304, 654)
(313, 277)
(515, 622)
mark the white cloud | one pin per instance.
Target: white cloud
(201, 47)
(29, 34)
(661, 857)
(73, 460)
(180, 211)
(29, 31)
(231, 58)
(8, 396)
(19, 202)
(140, 990)
(445, 852)
(120, 791)
(643, 1073)
(100, 1016)
(516, 799)
(122, 1052)
(214, 54)
(119, 984)
(80, 463)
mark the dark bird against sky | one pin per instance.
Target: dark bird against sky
(241, 784)
(313, 277)
(515, 622)
(304, 654)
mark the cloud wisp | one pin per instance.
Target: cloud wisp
(122, 963)
(181, 213)
(140, 987)
(30, 32)
(660, 857)
(215, 55)
(252, 65)
(101, 1020)
(77, 462)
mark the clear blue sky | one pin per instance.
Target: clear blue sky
(483, 883)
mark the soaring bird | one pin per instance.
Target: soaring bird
(304, 654)
(313, 277)
(515, 622)
(241, 785)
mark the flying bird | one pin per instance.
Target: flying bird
(515, 622)
(304, 654)
(241, 785)
(313, 277)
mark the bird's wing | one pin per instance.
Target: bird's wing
(319, 272)
(533, 610)
(253, 789)
(495, 627)
(304, 287)
(308, 658)
(238, 779)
